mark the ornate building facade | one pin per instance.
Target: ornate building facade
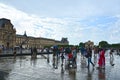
(7, 33)
(10, 39)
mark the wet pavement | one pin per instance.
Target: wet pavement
(25, 68)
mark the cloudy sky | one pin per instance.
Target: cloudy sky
(78, 20)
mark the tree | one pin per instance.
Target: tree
(81, 44)
(103, 44)
(115, 46)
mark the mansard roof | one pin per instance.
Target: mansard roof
(64, 40)
(3, 21)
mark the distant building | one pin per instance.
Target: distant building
(7, 33)
(10, 39)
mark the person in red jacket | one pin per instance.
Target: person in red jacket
(70, 56)
(70, 60)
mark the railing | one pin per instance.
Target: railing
(24, 52)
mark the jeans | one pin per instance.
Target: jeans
(89, 61)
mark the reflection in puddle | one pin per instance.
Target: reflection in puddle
(3, 75)
(101, 74)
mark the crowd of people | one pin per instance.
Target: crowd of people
(91, 55)
(69, 55)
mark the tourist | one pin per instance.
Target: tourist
(111, 53)
(101, 61)
(89, 56)
(14, 52)
(74, 57)
(83, 52)
(48, 52)
(55, 56)
(31, 51)
(111, 57)
(34, 52)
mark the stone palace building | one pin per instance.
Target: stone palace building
(9, 38)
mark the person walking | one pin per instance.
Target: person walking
(89, 56)
(95, 51)
(48, 52)
(31, 52)
(83, 52)
(62, 59)
(111, 53)
(55, 56)
(74, 52)
(14, 52)
(111, 57)
(34, 52)
(101, 61)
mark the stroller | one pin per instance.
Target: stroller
(70, 61)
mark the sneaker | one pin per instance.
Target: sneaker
(103, 67)
(113, 64)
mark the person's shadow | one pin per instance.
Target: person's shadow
(3, 75)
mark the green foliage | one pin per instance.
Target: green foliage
(81, 44)
(103, 44)
(114, 45)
